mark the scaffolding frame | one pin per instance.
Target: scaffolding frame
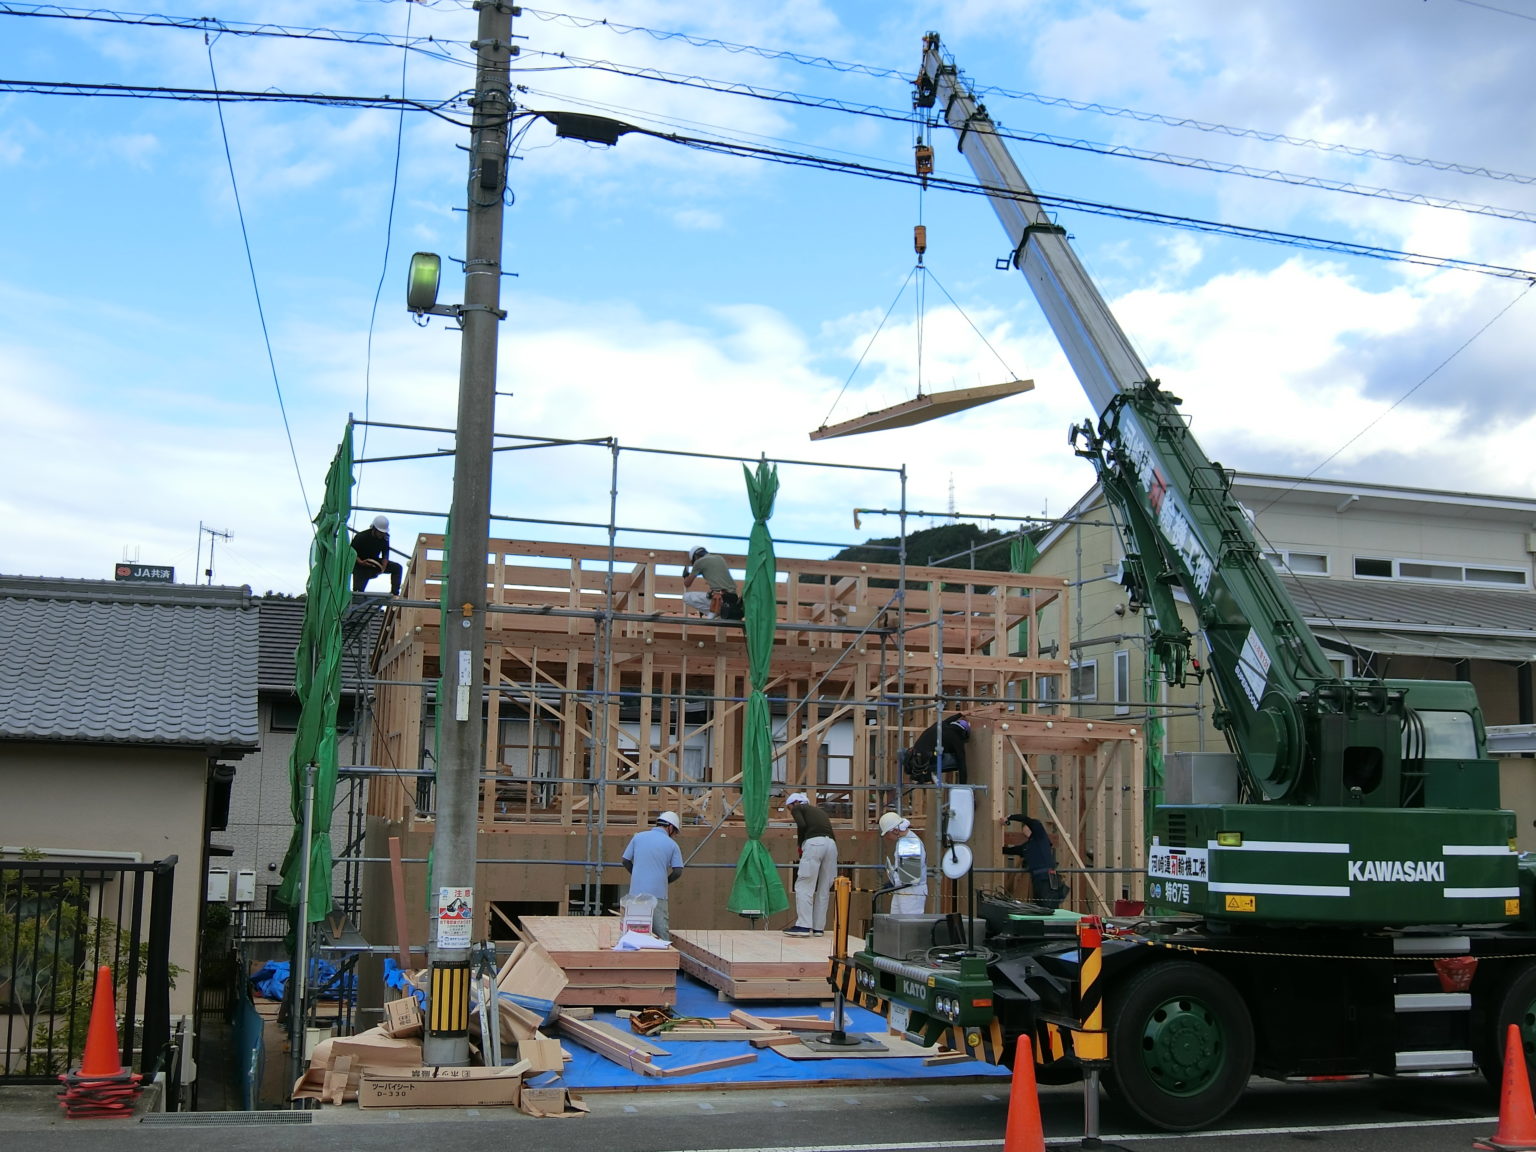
(607, 701)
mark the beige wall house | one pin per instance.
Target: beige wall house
(118, 702)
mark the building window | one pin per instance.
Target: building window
(1047, 692)
(1299, 563)
(1122, 683)
(1376, 568)
(1085, 680)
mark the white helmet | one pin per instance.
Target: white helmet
(381, 523)
(699, 550)
(893, 822)
(671, 818)
(796, 798)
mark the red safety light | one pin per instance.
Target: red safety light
(984, 1003)
(1090, 932)
(1456, 972)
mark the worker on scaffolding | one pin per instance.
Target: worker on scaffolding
(940, 749)
(372, 548)
(722, 600)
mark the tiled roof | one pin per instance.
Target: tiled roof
(282, 626)
(1391, 605)
(103, 662)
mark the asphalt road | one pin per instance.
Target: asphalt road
(1372, 1116)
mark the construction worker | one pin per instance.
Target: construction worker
(722, 600)
(1037, 856)
(818, 865)
(372, 548)
(653, 860)
(940, 749)
(906, 867)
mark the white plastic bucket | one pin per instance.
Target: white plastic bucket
(637, 912)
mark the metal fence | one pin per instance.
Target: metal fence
(61, 921)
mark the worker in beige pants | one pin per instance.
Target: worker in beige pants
(818, 866)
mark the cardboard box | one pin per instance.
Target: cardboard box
(551, 1103)
(402, 1018)
(427, 1087)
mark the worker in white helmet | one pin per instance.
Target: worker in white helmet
(817, 868)
(907, 865)
(653, 860)
(722, 600)
(372, 548)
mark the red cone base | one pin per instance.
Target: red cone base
(102, 1086)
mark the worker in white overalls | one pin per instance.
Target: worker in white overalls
(906, 867)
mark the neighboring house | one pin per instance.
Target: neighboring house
(260, 813)
(123, 708)
(1407, 583)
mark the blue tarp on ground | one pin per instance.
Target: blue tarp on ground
(588, 1070)
(271, 979)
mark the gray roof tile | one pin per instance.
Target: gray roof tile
(102, 662)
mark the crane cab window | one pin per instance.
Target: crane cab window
(1439, 736)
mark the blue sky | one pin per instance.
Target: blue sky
(681, 300)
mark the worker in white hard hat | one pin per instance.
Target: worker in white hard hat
(372, 548)
(722, 600)
(906, 867)
(653, 860)
(818, 865)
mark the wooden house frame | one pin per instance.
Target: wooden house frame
(608, 701)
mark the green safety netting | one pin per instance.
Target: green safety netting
(317, 682)
(757, 889)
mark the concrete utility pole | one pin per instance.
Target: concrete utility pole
(461, 755)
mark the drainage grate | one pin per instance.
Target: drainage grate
(245, 1119)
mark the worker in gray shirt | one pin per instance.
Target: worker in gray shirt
(653, 860)
(722, 600)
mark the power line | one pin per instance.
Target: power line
(1124, 150)
(1191, 223)
(250, 263)
(229, 96)
(1048, 101)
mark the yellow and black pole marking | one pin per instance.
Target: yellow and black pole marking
(1089, 1041)
(448, 998)
(842, 901)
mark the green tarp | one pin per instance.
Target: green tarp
(757, 889)
(317, 682)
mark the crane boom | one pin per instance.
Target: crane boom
(1336, 772)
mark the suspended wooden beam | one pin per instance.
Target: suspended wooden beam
(923, 409)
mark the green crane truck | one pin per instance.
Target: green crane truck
(1361, 910)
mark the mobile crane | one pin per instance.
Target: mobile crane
(1361, 910)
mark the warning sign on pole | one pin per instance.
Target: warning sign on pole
(455, 917)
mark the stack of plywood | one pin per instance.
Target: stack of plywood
(598, 975)
(750, 965)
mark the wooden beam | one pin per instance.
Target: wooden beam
(921, 409)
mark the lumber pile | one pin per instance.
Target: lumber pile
(596, 975)
(752, 965)
(636, 1054)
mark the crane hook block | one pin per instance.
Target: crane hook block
(923, 155)
(920, 238)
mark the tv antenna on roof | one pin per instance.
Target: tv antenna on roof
(214, 535)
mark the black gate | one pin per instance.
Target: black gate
(61, 921)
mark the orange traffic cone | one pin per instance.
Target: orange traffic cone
(102, 1057)
(1023, 1132)
(102, 1086)
(1517, 1118)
